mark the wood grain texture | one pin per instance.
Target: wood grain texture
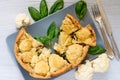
(10, 8)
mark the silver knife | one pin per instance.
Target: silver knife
(108, 30)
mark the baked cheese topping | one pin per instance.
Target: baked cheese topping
(42, 68)
(59, 48)
(56, 62)
(68, 26)
(25, 45)
(73, 53)
(85, 35)
(65, 39)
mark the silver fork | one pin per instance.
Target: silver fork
(98, 18)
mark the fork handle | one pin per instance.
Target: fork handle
(106, 42)
(114, 46)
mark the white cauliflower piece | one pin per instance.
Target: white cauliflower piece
(59, 48)
(42, 68)
(22, 20)
(34, 60)
(101, 64)
(56, 62)
(44, 54)
(26, 57)
(25, 45)
(84, 72)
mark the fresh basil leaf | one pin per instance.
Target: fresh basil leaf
(51, 27)
(43, 39)
(57, 31)
(81, 9)
(59, 4)
(35, 14)
(96, 50)
(51, 30)
(43, 8)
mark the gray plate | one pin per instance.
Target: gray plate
(40, 28)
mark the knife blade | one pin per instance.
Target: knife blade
(108, 30)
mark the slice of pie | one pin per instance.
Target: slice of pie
(70, 24)
(74, 40)
(76, 53)
(35, 58)
(85, 35)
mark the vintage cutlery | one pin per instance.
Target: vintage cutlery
(98, 18)
(108, 30)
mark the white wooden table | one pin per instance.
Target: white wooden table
(10, 8)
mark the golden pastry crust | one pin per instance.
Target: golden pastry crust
(16, 51)
(70, 24)
(85, 35)
(64, 39)
(25, 58)
(60, 48)
(33, 63)
(58, 65)
(92, 34)
(76, 53)
(82, 37)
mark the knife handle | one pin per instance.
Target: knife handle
(114, 46)
(106, 42)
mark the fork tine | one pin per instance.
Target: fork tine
(93, 11)
(97, 10)
(98, 18)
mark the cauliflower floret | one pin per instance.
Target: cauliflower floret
(44, 54)
(34, 60)
(26, 56)
(101, 64)
(60, 49)
(42, 68)
(84, 72)
(33, 51)
(56, 62)
(22, 20)
(68, 26)
(25, 45)
(73, 53)
(65, 39)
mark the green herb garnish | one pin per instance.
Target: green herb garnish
(96, 50)
(35, 14)
(81, 9)
(53, 30)
(52, 33)
(59, 4)
(43, 9)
